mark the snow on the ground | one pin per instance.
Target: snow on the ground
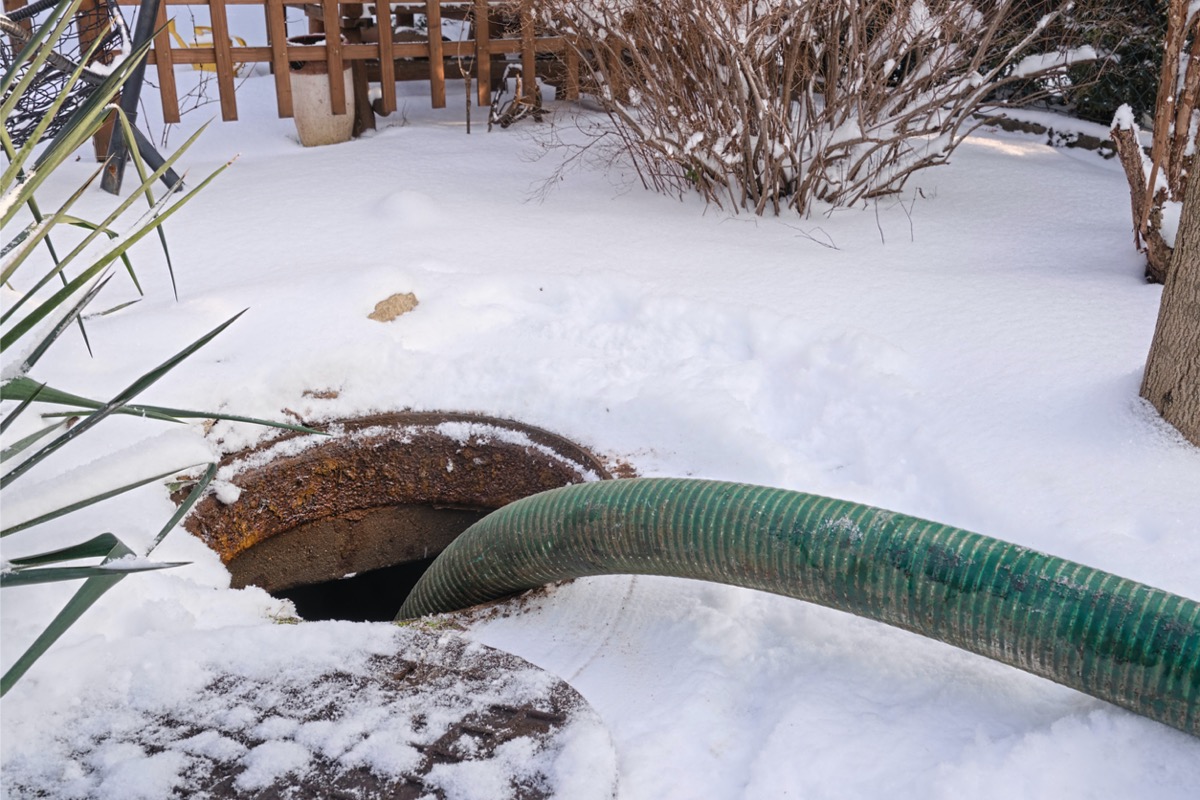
(968, 352)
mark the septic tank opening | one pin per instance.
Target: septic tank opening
(344, 525)
(371, 596)
(357, 566)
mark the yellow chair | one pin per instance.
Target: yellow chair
(205, 31)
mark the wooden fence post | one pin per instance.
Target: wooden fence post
(278, 39)
(528, 54)
(331, 18)
(483, 54)
(437, 66)
(223, 59)
(352, 24)
(164, 63)
(387, 59)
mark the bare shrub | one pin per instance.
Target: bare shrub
(772, 104)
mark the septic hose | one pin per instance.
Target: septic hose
(1121, 641)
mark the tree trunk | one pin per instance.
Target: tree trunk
(1148, 239)
(1172, 379)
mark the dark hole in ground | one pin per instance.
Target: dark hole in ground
(385, 551)
(373, 596)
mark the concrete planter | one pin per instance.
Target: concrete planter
(312, 109)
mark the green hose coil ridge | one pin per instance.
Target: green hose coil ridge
(1121, 641)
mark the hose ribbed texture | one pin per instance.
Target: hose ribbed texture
(1121, 641)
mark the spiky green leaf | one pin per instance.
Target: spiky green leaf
(123, 397)
(81, 601)
(31, 577)
(34, 389)
(184, 507)
(95, 547)
(21, 445)
(87, 501)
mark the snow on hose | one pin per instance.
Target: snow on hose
(1121, 641)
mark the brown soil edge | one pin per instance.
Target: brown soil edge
(383, 460)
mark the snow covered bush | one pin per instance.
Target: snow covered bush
(773, 104)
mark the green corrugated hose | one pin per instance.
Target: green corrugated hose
(1115, 639)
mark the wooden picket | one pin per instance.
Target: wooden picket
(437, 67)
(165, 68)
(277, 35)
(483, 52)
(331, 21)
(223, 59)
(387, 68)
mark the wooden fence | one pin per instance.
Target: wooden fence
(371, 50)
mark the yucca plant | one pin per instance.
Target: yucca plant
(42, 313)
